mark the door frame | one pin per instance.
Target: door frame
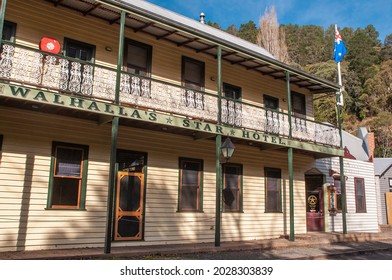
(125, 154)
(138, 213)
(321, 203)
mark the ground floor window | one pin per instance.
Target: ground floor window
(273, 200)
(190, 184)
(360, 199)
(68, 176)
(232, 187)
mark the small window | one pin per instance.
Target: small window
(68, 178)
(273, 190)
(271, 102)
(390, 184)
(232, 92)
(232, 187)
(190, 193)
(338, 193)
(79, 50)
(298, 102)
(192, 73)
(138, 57)
(9, 30)
(360, 199)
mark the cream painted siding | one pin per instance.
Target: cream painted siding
(356, 222)
(61, 23)
(24, 175)
(253, 223)
(24, 178)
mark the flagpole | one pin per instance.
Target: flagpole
(339, 104)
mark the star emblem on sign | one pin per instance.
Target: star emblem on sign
(169, 120)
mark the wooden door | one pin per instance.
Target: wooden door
(129, 206)
(388, 202)
(314, 202)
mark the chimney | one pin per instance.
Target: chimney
(371, 145)
(202, 16)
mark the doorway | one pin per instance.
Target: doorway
(130, 195)
(314, 202)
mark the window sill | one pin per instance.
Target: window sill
(190, 211)
(66, 209)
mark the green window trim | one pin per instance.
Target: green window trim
(267, 172)
(240, 208)
(52, 188)
(199, 199)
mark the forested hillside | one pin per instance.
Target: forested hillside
(366, 73)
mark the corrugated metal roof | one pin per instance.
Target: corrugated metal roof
(355, 146)
(381, 165)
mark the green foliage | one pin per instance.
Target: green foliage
(248, 31)
(366, 74)
(382, 127)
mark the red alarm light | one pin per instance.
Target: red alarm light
(49, 45)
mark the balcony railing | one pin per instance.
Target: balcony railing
(59, 73)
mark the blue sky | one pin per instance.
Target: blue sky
(349, 13)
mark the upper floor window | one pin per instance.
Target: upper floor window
(232, 92)
(360, 199)
(190, 189)
(232, 187)
(9, 30)
(68, 178)
(390, 184)
(79, 50)
(273, 190)
(192, 73)
(271, 102)
(298, 102)
(138, 57)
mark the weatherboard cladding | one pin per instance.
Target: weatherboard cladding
(24, 175)
(383, 171)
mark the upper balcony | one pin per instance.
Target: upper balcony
(31, 67)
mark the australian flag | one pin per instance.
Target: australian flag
(340, 49)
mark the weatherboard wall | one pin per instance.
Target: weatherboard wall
(26, 224)
(356, 222)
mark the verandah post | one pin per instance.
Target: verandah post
(113, 152)
(218, 142)
(290, 160)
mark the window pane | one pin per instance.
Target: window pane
(190, 185)
(189, 197)
(65, 192)
(79, 50)
(192, 73)
(298, 102)
(137, 56)
(68, 162)
(190, 173)
(271, 102)
(8, 31)
(130, 193)
(231, 91)
(273, 177)
(231, 191)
